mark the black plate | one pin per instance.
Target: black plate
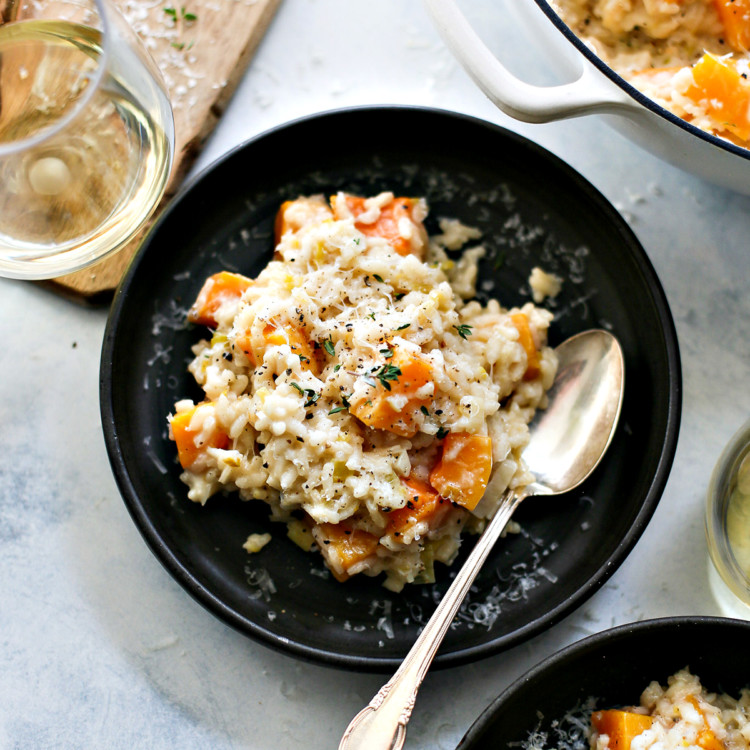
(611, 669)
(533, 210)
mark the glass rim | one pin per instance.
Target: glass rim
(18, 146)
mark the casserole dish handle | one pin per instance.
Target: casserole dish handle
(590, 93)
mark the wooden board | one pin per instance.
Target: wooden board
(202, 61)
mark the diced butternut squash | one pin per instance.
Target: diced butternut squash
(185, 438)
(388, 224)
(423, 504)
(735, 17)
(724, 94)
(280, 224)
(620, 726)
(343, 546)
(396, 397)
(706, 738)
(464, 468)
(526, 339)
(218, 289)
(311, 358)
(299, 213)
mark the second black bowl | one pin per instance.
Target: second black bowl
(611, 669)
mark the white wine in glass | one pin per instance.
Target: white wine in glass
(86, 138)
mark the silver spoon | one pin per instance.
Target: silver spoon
(567, 441)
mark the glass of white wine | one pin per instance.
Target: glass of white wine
(86, 135)
(728, 527)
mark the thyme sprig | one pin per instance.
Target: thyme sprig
(180, 18)
(183, 14)
(344, 405)
(464, 330)
(387, 373)
(312, 396)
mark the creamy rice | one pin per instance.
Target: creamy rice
(690, 56)
(679, 716)
(355, 388)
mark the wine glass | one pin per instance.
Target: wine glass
(86, 135)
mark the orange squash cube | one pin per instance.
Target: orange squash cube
(620, 726)
(723, 92)
(217, 290)
(424, 504)
(342, 546)
(311, 358)
(412, 372)
(526, 339)
(184, 437)
(706, 739)
(294, 215)
(735, 17)
(464, 468)
(387, 224)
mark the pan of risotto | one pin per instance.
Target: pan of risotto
(673, 683)
(671, 75)
(319, 373)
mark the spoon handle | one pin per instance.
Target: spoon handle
(381, 725)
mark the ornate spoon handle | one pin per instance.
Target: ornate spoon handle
(381, 725)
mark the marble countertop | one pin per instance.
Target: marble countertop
(101, 648)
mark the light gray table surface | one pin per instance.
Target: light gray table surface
(101, 648)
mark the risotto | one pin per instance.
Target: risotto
(679, 716)
(356, 388)
(690, 56)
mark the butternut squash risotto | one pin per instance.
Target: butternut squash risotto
(354, 387)
(690, 56)
(681, 716)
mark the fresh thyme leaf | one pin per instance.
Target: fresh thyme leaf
(378, 278)
(171, 12)
(298, 387)
(336, 410)
(387, 353)
(312, 397)
(328, 346)
(369, 381)
(371, 315)
(345, 400)
(442, 432)
(424, 411)
(405, 325)
(178, 45)
(303, 358)
(188, 16)
(336, 368)
(464, 330)
(399, 295)
(386, 373)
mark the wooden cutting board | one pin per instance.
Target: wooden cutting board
(202, 48)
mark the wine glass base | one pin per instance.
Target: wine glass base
(729, 603)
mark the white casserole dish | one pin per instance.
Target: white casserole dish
(596, 89)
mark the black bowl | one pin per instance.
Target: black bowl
(611, 669)
(533, 210)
